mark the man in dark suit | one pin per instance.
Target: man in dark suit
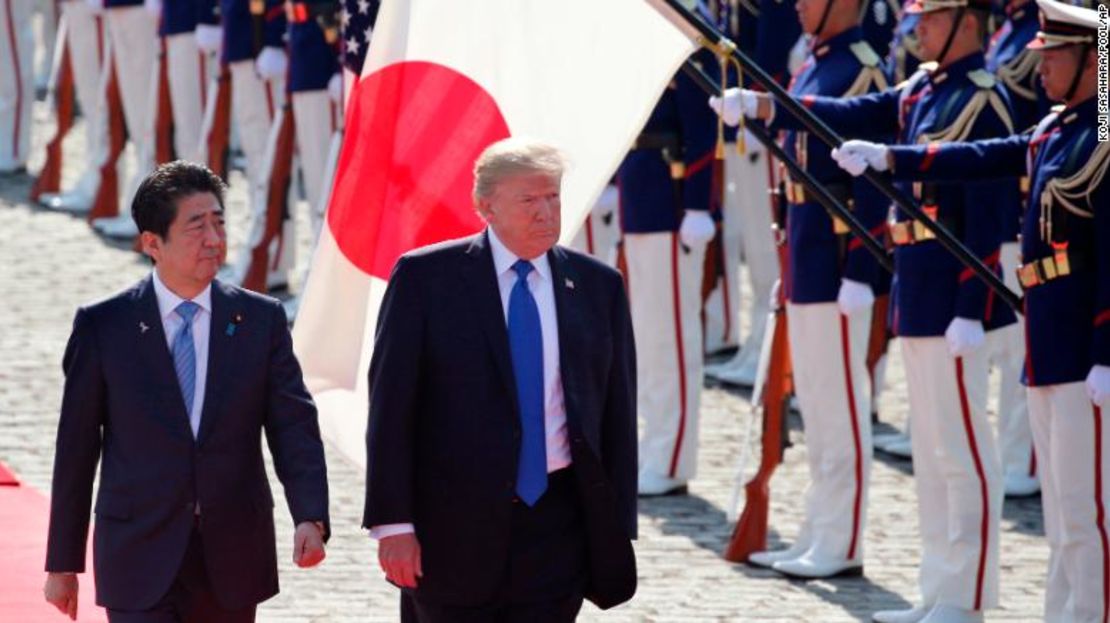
(501, 471)
(170, 385)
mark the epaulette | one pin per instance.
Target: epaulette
(1058, 108)
(865, 54)
(982, 78)
(928, 66)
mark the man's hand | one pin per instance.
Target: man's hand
(209, 38)
(399, 557)
(697, 228)
(855, 156)
(61, 590)
(271, 63)
(854, 297)
(964, 336)
(1098, 386)
(308, 545)
(740, 102)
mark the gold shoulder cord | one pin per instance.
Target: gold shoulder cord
(1072, 191)
(724, 48)
(961, 127)
(1018, 76)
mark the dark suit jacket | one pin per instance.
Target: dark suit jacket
(444, 430)
(123, 406)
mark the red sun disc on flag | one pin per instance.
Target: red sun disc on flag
(405, 172)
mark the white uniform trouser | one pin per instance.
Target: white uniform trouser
(254, 104)
(829, 355)
(1006, 347)
(188, 80)
(664, 288)
(1072, 438)
(747, 233)
(134, 35)
(957, 474)
(49, 15)
(599, 234)
(87, 38)
(316, 118)
(17, 82)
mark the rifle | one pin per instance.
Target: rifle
(277, 200)
(163, 123)
(106, 201)
(713, 39)
(61, 95)
(217, 123)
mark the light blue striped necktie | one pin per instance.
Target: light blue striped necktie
(184, 354)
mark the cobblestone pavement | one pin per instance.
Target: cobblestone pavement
(50, 263)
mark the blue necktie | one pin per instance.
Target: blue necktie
(526, 348)
(184, 354)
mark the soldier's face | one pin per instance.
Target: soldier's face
(932, 32)
(1057, 70)
(195, 245)
(525, 213)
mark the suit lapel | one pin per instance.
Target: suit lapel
(481, 281)
(155, 360)
(569, 321)
(225, 307)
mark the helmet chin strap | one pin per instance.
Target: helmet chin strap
(951, 35)
(1078, 72)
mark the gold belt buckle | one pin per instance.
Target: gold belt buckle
(839, 226)
(678, 169)
(258, 7)
(1048, 267)
(1027, 275)
(899, 233)
(1060, 255)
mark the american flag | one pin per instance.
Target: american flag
(356, 24)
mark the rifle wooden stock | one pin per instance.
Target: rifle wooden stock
(49, 179)
(163, 125)
(218, 137)
(879, 339)
(711, 36)
(106, 201)
(277, 204)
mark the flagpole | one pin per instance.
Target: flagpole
(714, 40)
(819, 192)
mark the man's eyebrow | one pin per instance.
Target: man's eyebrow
(200, 216)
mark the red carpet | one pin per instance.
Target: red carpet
(24, 515)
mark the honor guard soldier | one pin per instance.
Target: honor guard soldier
(133, 34)
(765, 30)
(17, 84)
(664, 199)
(878, 19)
(87, 39)
(1015, 66)
(315, 94)
(829, 299)
(600, 231)
(904, 55)
(188, 67)
(253, 49)
(940, 310)
(1065, 272)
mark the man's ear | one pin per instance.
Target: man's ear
(151, 245)
(485, 208)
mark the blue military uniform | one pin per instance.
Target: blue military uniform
(960, 489)
(667, 175)
(878, 21)
(829, 346)
(245, 32)
(766, 30)
(1065, 250)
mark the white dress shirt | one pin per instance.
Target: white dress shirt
(554, 413)
(202, 324)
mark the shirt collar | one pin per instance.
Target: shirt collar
(503, 258)
(168, 301)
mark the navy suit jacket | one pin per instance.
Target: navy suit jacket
(443, 437)
(123, 406)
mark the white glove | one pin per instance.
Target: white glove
(209, 38)
(335, 87)
(271, 63)
(609, 200)
(95, 5)
(854, 297)
(776, 290)
(154, 7)
(852, 153)
(697, 228)
(1098, 386)
(964, 336)
(735, 103)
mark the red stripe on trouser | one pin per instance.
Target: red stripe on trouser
(18, 79)
(202, 71)
(269, 99)
(589, 235)
(725, 301)
(1100, 516)
(857, 504)
(677, 300)
(1033, 462)
(984, 529)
